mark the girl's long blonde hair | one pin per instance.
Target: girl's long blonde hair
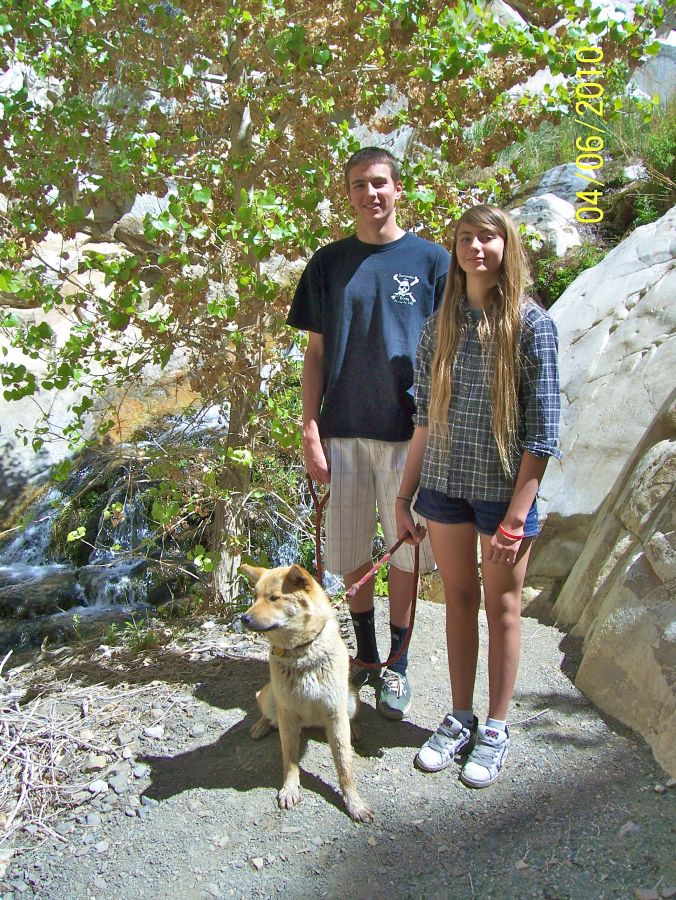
(498, 332)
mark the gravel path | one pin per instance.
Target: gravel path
(188, 810)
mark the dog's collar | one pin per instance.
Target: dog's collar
(275, 650)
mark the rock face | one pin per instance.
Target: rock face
(617, 353)
(620, 598)
(607, 554)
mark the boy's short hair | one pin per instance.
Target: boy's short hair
(368, 155)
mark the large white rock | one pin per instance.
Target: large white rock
(553, 218)
(617, 353)
(658, 74)
(620, 597)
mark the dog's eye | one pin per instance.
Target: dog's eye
(275, 597)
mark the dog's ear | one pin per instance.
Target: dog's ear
(297, 579)
(253, 573)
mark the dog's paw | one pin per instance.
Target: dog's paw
(262, 727)
(360, 812)
(288, 797)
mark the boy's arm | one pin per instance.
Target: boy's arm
(313, 392)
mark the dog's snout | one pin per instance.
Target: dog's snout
(246, 620)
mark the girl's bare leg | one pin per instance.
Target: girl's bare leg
(503, 585)
(455, 552)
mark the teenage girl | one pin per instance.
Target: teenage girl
(487, 396)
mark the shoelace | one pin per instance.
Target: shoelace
(442, 735)
(393, 681)
(486, 754)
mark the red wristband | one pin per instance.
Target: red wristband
(508, 534)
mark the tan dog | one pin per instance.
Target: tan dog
(309, 676)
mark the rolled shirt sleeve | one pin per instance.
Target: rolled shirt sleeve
(540, 397)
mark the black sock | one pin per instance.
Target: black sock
(365, 633)
(398, 638)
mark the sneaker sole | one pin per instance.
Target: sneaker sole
(482, 784)
(388, 713)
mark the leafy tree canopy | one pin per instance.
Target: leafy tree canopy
(240, 115)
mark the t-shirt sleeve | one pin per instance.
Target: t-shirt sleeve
(423, 368)
(440, 282)
(306, 307)
(540, 387)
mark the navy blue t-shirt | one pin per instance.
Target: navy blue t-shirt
(369, 302)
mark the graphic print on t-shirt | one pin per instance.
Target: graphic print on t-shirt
(404, 294)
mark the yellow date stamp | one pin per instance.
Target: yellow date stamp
(589, 107)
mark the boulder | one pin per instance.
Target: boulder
(554, 220)
(620, 598)
(658, 74)
(617, 344)
(564, 181)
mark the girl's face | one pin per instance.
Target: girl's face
(479, 251)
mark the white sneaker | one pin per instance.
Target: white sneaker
(486, 760)
(439, 750)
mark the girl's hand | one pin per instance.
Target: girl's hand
(406, 527)
(504, 550)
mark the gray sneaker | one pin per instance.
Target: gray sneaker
(394, 695)
(441, 748)
(485, 762)
(359, 676)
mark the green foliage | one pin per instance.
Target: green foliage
(554, 275)
(237, 117)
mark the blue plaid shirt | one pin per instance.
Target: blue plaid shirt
(469, 466)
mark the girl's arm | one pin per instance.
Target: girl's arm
(409, 485)
(531, 470)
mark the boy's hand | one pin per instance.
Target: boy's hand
(316, 462)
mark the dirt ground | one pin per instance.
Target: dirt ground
(162, 793)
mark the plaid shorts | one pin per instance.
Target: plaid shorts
(366, 474)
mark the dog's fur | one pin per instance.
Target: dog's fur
(309, 676)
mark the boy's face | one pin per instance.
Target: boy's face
(372, 193)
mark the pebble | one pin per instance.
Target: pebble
(149, 801)
(156, 714)
(197, 730)
(140, 771)
(258, 862)
(155, 731)
(646, 894)
(118, 783)
(628, 828)
(92, 762)
(98, 787)
(93, 820)
(660, 789)
(213, 890)
(671, 784)
(668, 891)
(101, 846)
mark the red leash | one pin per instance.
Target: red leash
(352, 590)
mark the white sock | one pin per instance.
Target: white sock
(496, 724)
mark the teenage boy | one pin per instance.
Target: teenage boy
(364, 301)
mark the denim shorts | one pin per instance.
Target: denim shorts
(485, 515)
